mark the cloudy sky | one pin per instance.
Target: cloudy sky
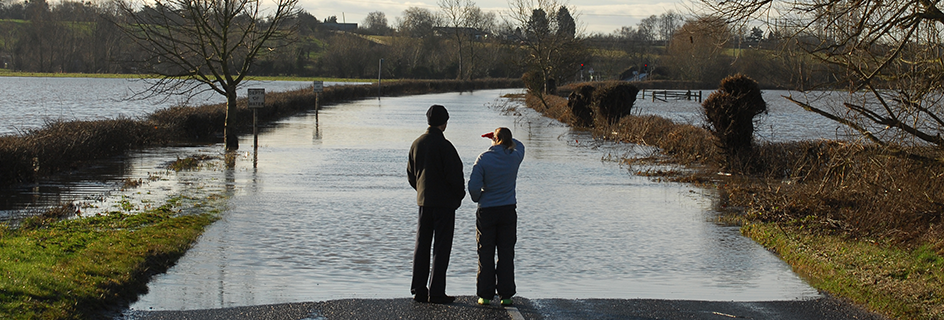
(596, 16)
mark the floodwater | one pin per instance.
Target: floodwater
(30, 102)
(326, 212)
(784, 121)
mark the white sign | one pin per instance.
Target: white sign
(318, 86)
(256, 98)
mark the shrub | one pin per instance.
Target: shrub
(580, 104)
(730, 113)
(533, 82)
(614, 100)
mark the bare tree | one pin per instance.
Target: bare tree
(669, 22)
(480, 25)
(886, 54)
(647, 28)
(376, 23)
(458, 16)
(553, 55)
(418, 22)
(697, 50)
(200, 45)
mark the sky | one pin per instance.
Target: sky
(597, 16)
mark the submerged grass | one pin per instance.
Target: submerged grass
(858, 221)
(75, 269)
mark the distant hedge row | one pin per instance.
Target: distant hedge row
(67, 145)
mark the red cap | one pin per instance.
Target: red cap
(490, 135)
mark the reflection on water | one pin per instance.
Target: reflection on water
(327, 213)
(133, 183)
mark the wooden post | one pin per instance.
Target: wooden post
(255, 138)
(256, 101)
(379, 78)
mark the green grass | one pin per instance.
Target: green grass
(902, 283)
(74, 269)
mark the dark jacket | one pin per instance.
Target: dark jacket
(435, 171)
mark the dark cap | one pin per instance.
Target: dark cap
(436, 115)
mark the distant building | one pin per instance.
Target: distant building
(6, 61)
(448, 31)
(339, 26)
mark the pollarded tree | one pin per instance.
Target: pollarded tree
(199, 45)
(886, 54)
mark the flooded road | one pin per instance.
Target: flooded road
(327, 213)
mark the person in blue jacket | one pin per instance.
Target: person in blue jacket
(492, 186)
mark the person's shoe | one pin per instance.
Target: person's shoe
(420, 295)
(483, 301)
(506, 302)
(441, 299)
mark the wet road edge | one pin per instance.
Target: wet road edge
(465, 307)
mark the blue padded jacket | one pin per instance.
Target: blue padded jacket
(494, 173)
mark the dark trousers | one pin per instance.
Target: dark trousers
(435, 229)
(495, 227)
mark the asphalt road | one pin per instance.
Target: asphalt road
(465, 308)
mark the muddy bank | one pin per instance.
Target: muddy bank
(69, 145)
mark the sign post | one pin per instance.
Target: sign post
(317, 87)
(379, 78)
(256, 102)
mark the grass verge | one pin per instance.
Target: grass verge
(75, 269)
(904, 283)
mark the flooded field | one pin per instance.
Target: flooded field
(30, 102)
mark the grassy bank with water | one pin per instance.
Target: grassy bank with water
(77, 268)
(857, 221)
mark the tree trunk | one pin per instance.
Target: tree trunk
(229, 136)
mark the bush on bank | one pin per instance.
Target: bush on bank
(802, 193)
(67, 145)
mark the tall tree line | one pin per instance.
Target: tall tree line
(67, 37)
(536, 36)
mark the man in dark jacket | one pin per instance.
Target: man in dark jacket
(435, 171)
